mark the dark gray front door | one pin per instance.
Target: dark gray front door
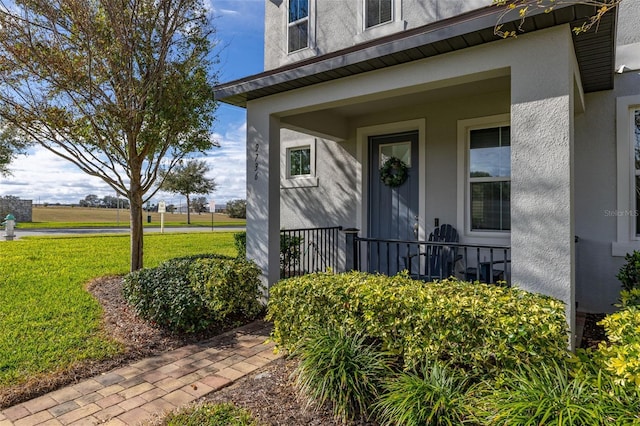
(393, 211)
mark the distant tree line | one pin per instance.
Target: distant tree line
(107, 202)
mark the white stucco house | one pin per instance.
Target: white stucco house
(527, 146)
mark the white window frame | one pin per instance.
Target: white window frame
(289, 153)
(464, 182)
(364, 15)
(310, 50)
(626, 210)
(287, 181)
(396, 24)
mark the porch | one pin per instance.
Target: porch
(308, 250)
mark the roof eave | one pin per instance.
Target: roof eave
(459, 32)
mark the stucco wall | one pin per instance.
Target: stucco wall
(334, 201)
(338, 24)
(595, 174)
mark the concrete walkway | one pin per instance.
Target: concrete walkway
(135, 393)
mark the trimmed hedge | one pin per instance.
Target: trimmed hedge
(621, 354)
(191, 293)
(476, 327)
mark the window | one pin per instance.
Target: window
(635, 119)
(298, 25)
(378, 12)
(489, 177)
(627, 210)
(299, 161)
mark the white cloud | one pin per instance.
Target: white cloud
(46, 178)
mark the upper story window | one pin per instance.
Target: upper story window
(298, 25)
(490, 179)
(378, 12)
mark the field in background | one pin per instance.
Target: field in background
(65, 216)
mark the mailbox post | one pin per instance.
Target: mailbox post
(9, 227)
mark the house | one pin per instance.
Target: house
(525, 145)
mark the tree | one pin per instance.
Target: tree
(90, 200)
(237, 209)
(10, 147)
(523, 8)
(188, 179)
(199, 204)
(116, 88)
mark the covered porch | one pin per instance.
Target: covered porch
(337, 113)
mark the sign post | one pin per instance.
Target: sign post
(212, 209)
(162, 209)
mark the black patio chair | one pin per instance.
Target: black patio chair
(436, 261)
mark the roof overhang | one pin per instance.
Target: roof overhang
(595, 52)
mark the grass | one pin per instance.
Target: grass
(211, 415)
(48, 321)
(88, 217)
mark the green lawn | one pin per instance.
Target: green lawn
(47, 319)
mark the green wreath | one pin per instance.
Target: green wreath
(393, 172)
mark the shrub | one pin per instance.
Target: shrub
(477, 327)
(212, 415)
(434, 395)
(164, 296)
(542, 394)
(630, 297)
(227, 287)
(240, 241)
(621, 355)
(237, 209)
(289, 252)
(191, 293)
(340, 369)
(629, 274)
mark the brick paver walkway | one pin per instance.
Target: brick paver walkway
(135, 393)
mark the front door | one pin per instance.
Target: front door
(393, 208)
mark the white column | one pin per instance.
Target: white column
(263, 192)
(542, 225)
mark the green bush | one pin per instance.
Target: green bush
(289, 252)
(211, 415)
(541, 394)
(340, 369)
(479, 328)
(227, 287)
(629, 274)
(630, 297)
(191, 293)
(621, 354)
(240, 241)
(433, 395)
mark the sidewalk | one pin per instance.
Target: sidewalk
(133, 394)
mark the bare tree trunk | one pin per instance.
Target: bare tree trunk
(188, 211)
(136, 231)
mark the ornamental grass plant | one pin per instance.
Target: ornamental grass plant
(341, 370)
(432, 395)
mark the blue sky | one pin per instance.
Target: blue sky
(46, 178)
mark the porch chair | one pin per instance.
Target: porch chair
(437, 261)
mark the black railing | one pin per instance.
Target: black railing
(429, 260)
(308, 250)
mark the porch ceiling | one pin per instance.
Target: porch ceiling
(595, 52)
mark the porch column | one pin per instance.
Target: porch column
(263, 193)
(542, 225)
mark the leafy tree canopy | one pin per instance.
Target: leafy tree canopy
(188, 179)
(115, 87)
(524, 8)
